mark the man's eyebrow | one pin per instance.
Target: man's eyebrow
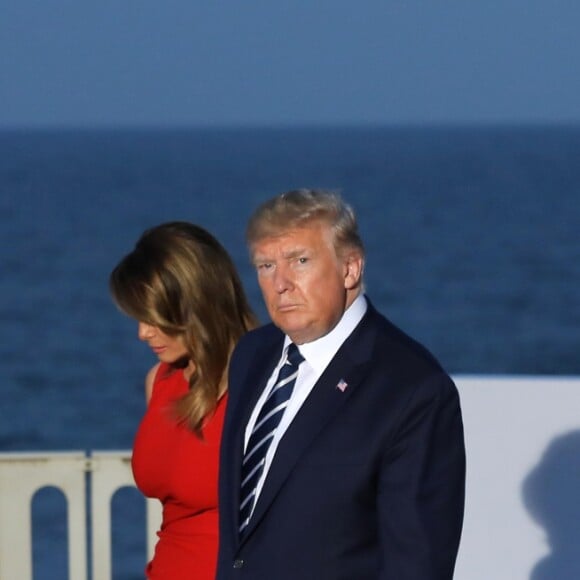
(294, 253)
(288, 255)
(260, 258)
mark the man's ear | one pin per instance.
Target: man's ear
(353, 269)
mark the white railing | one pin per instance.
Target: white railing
(523, 443)
(22, 475)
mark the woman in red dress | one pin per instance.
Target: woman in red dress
(181, 286)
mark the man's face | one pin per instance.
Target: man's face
(306, 286)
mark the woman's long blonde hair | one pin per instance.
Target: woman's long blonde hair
(180, 279)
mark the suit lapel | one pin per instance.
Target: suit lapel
(260, 369)
(349, 365)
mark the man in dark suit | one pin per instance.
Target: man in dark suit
(343, 458)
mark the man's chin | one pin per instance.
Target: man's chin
(289, 322)
(298, 331)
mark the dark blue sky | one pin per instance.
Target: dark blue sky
(186, 62)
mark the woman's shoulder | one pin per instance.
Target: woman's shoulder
(162, 377)
(150, 381)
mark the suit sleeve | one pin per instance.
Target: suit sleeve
(421, 486)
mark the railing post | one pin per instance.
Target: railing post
(21, 476)
(111, 470)
(154, 514)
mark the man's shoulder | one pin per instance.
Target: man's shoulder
(399, 344)
(254, 348)
(260, 336)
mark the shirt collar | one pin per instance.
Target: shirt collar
(320, 352)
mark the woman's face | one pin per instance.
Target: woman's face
(168, 349)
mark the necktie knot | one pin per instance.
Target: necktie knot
(294, 356)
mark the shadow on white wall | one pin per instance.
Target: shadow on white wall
(551, 493)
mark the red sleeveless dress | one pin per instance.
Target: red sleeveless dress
(172, 464)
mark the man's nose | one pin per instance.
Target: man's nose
(145, 331)
(282, 279)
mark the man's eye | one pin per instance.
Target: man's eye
(264, 266)
(302, 260)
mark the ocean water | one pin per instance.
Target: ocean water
(471, 236)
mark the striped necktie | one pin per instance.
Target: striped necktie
(263, 432)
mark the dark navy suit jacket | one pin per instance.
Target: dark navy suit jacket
(367, 483)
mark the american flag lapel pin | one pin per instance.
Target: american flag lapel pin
(341, 385)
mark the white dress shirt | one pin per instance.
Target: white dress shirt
(317, 356)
